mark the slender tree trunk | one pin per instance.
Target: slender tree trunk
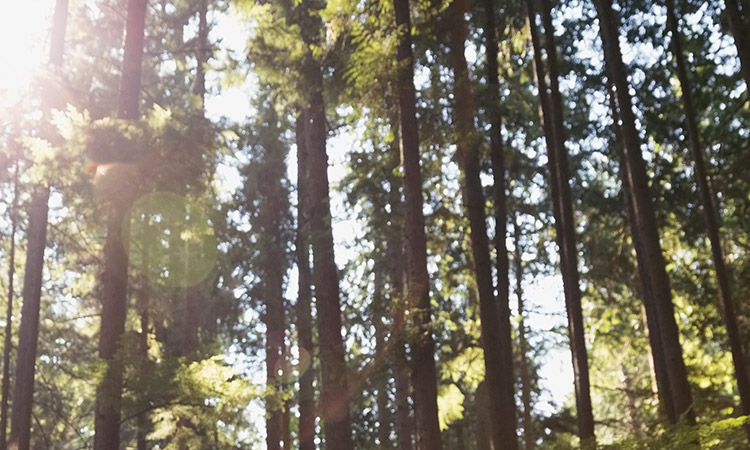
(418, 294)
(404, 422)
(529, 434)
(306, 432)
(645, 218)
(9, 313)
(28, 334)
(143, 306)
(739, 30)
(564, 220)
(649, 302)
(710, 211)
(115, 276)
(270, 220)
(202, 52)
(494, 317)
(334, 378)
(381, 348)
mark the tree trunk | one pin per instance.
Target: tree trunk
(115, 277)
(649, 302)
(494, 317)
(644, 217)
(334, 378)
(270, 224)
(9, 313)
(306, 432)
(404, 422)
(710, 211)
(529, 434)
(739, 30)
(418, 294)
(381, 348)
(28, 334)
(563, 212)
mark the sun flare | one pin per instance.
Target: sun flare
(24, 31)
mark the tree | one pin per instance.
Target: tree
(115, 277)
(28, 335)
(9, 312)
(494, 312)
(710, 212)
(563, 212)
(418, 293)
(645, 218)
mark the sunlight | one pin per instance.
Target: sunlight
(24, 28)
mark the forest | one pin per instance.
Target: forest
(375, 224)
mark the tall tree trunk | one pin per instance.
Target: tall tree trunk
(710, 211)
(115, 277)
(270, 218)
(664, 389)
(28, 334)
(334, 378)
(202, 53)
(644, 217)
(9, 313)
(563, 212)
(404, 422)
(382, 348)
(418, 293)
(494, 317)
(739, 30)
(529, 435)
(306, 431)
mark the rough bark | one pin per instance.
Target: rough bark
(529, 435)
(739, 30)
(564, 220)
(494, 315)
(306, 432)
(418, 295)
(710, 211)
(644, 216)
(28, 334)
(9, 313)
(115, 276)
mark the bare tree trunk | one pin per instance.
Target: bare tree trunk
(494, 317)
(9, 313)
(404, 420)
(649, 302)
(306, 432)
(380, 311)
(28, 334)
(418, 294)
(563, 212)
(115, 276)
(736, 20)
(529, 434)
(334, 378)
(644, 217)
(710, 211)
